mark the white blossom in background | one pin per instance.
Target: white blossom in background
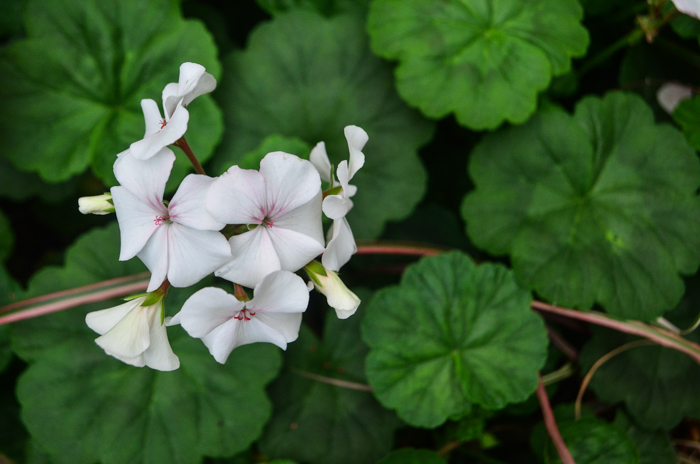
(194, 81)
(224, 323)
(281, 204)
(98, 204)
(338, 295)
(159, 132)
(671, 94)
(135, 334)
(179, 240)
(689, 7)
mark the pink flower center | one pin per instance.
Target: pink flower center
(161, 220)
(243, 314)
(163, 122)
(267, 223)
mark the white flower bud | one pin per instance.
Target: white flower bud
(339, 297)
(99, 204)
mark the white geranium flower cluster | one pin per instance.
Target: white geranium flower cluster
(253, 228)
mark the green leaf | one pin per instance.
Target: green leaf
(19, 185)
(654, 447)
(7, 239)
(73, 392)
(473, 339)
(687, 115)
(316, 422)
(598, 207)
(274, 142)
(594, 441)
(9, 293)
(484, 60)
(308, 77)
(72, 90)
(325, 7)
(412, 456)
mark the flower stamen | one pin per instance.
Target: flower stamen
(161, 220)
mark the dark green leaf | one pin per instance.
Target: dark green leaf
(325, 7)
(654, 447)
(7, 238)
(594, 441)
(687, 115)
(484, 60)
(450, 335)
(72, 89)
(74, 393)
(412, 456)
(319, 423)
(598, 207)
(272, 143)
(308, 77)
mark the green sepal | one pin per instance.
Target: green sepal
(315, 269)
(333, 191)
(133, 297)
(153, 298)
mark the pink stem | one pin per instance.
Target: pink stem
(551, 424)
(565, 347)
(72, 291)
(395, 248)
(76, 301)
(659, 336)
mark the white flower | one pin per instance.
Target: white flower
(179, 240)
(193, 82)
(671, 94)
(98, 204)
(159, 132)
(337, 206)
(224, 323)
(134, 334)
(340, 246)
(282, 203)
(689, 7)
(338, 296)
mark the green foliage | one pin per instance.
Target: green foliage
(7, 239)
(598, 207)
(308, 77)
(319, 423)
(272, 143)
(9, 292)
(594, 441)
(473, 339)
(325, 7)
(484, 60)
(687, 115)
(73, 393)
(72, 90)
(654, 447)
(411, 456)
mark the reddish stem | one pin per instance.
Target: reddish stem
(77, 301)
(185, 147)
(551, 424)
(562, 345)
(396, 248)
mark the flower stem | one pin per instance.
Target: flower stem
(185, 147)
(380, 247)
(332, 381)
(551, 424)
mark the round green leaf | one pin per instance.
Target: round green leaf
(308, 77)
(594, 441)
(412, 456)
(472, 339)
(484, 60)
(326, 7)
(598, 207)
(319, 423)
(272, 143)
(687, 115)
(71, 91)
(83, 406)
(654, 447)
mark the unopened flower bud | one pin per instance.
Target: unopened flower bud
(98, 204)
(339, 297)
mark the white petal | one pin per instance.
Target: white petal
(350, 191)
(357, 138)
(306, 219)
(145, 178)
(319, 158)
(289, 182)
(670, 95)
(689, 7)
(104, 320)
(337, 206)
(293, 249)
(159, 355)
(188, 205)
(280, 292)
(194, 254)
(205, 84)
(254, 257)
(130, 336)
(155, 256)
(287, 324)
(222, 340)
(169, 134)
(339, 297)
(341, 245)
(137, 221)
(151, 115)
(208, 309)
(225, 338)
(136, 361)
(238, 197)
